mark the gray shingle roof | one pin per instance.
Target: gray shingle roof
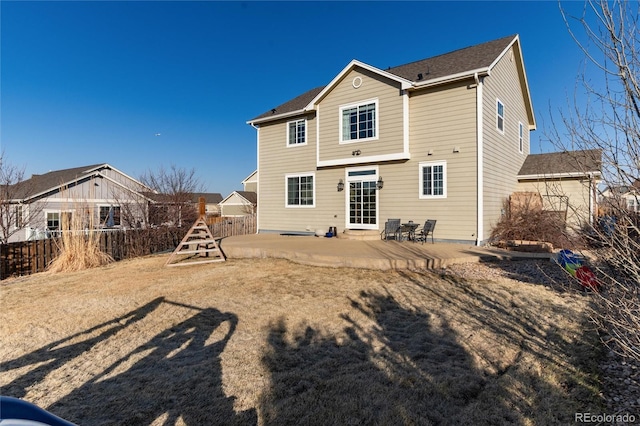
(53, 179)
(250, 196)
(452, 63)
(209, 197)
(294, 104)
(456, 62)
(554, 163)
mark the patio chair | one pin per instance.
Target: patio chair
(391, 230)
(427, 229)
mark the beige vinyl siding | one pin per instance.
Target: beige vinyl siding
(235, 206)
(577, 191)
(389, 114)
(275, 162)
(502, 157)
(440, 119)
(251, 186)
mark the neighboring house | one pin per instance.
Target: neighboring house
(211, 202)
(239, 203)
(102, 194)
(250, 183)
(622, 196)
(568, 181)
(441, 138)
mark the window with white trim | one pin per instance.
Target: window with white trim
(359, 121)
(110, 215)
(19, 217)
(53, 221)
(499, 115)
(296, 132)
(433, 179)
(300, 190)
(520, 137)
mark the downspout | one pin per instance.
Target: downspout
(480, 161)
(257, 174)
(592, 198)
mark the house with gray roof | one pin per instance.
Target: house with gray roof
(440, 138)
(567, 182)
(103, 195)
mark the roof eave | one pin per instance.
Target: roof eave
(536, 176)
(480, 72)
(529, 106)
(279, 116)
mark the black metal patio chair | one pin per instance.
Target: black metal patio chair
(391, 230)
(428, 228)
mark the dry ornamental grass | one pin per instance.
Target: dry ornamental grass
(274, 342)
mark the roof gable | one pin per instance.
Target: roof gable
(38, 185)
(248, 196)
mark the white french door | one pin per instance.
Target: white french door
(362, 198)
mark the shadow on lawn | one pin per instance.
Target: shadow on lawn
(176, 376)
(406, 366)
(403, 371)
(58, 353)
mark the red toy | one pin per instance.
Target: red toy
(587, 278)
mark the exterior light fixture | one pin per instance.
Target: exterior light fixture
(380, 183)
(340, 185)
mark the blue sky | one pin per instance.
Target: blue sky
(94, 82)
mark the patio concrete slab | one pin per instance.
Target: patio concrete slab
(335, 252)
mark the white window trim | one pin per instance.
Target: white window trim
(504, 123)
(286, 191)
(99, 206)
(520, 137)
(423, 164)
(306, 133)
(354, 105)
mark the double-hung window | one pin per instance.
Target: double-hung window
(296, 132)
(53, 221)
(433, 179)
(500, 116)
(300, 190)
(359, 121)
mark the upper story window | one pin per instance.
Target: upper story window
(433, 179)
(500, 115)
(359, 121)
(296, 132)
(520, 137)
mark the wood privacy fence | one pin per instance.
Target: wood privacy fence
(28, 257)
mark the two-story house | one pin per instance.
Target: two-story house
(441, 138)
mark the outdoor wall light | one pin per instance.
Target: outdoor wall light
(380, 183)
(340, 185)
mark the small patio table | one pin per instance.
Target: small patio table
(410, 230)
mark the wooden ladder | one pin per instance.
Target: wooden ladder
(198, 243)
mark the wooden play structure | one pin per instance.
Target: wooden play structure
(198, 246)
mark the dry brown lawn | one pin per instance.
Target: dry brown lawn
(274, 342)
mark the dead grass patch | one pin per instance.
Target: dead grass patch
(274, 342)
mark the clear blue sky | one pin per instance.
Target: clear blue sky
(94, 82)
